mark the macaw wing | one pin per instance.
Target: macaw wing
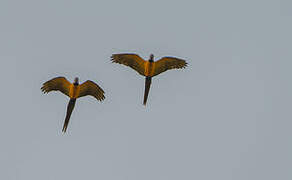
(167, 63)
(132, 60)
(57, 84)
(92, 89)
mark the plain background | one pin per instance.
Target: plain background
(225, 117)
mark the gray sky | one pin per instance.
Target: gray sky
(226, 117)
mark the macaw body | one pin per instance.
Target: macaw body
(74, 90)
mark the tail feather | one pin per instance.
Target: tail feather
(147, 88)
(70, 108)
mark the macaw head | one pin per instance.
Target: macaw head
(76, 81)
(151, 58)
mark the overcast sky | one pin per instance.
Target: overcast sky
(225, 117)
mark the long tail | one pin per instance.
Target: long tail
(147, 88)
(70, 108)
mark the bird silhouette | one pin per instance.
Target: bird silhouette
(73, 91)
(148, 68)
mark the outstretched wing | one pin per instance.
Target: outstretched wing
(132, 60)
(92, 89)
(57, 84)
(167, 63)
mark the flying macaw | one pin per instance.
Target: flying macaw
(148, 68)
(73, 91)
